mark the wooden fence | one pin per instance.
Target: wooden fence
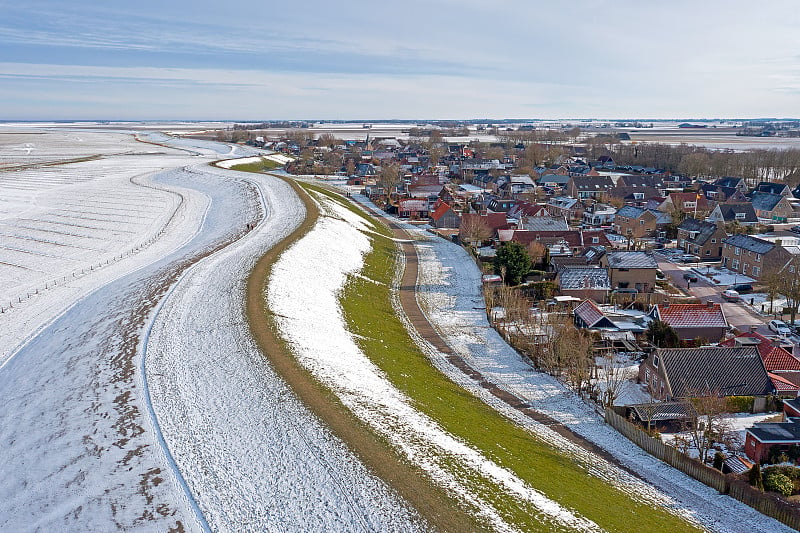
(766, 503)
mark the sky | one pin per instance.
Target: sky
(415, 59)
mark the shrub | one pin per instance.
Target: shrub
(779, 483)
(719, 458)
(755, 478)
(739, 404)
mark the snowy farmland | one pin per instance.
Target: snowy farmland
(93, 360)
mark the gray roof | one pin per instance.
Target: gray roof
(558, 179)
(546, 224)
(630, 211)
(704, 229)
(661, 411)
(772, 188)
(777, 431)
(726, 371)
(584, 278)
(631, 260)
(746, 242)
(729, 212)
(592, 183)
(764, 201)
(728, 182)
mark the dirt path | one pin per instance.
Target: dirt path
(441, 512)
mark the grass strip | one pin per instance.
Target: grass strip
(438, 509)
(383, 338)
(264, 165)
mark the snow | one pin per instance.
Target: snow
(323, 259)
(121, 412)
(721, 276)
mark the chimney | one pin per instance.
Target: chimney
(710, 304)
(753, 329)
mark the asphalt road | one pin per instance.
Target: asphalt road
(738, 315)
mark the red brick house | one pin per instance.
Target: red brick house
(693, 321)
(762, 438)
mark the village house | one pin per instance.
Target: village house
(782, 367)
(443, 216)
(631, 270)
(741, 213)
(565, 206)
(771, 208)
(703, 321)
(636, 223)
(599, 214)
(680, 373)
(690, 203)
(767, 439)
(732, 183)
(720, 193)
(774, 188)
(584, 187)
(751, 256)
(703, 239)
(591, 282)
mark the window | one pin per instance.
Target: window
(737, 251)
(756, 271)
(708, 252)
(741, 216)
(641, 222)
(735, 264)
(758, 257)
(595, 240)
(689, 205)
(638, 196)
(655, 361)
(713, 241)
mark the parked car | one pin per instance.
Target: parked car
(730, 295)
(795, 229)
(741, 288)
(690, 276)
(780, 327)
(688, 258)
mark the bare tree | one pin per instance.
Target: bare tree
(474, 230)
(614, 375)
(711, 426)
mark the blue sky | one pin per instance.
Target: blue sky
(412, 59)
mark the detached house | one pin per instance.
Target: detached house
(635, 222)
(443, 216)
(693, 321)
(703, 239)
(741, 213)
(687, 202)
(771, 207)
(676, 373)
(584, 187)
(631, 270)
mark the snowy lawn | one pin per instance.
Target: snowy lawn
(362, 351)
(721, 276)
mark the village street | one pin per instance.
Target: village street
(738, 315)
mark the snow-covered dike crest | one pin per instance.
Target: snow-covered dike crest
(303, 292)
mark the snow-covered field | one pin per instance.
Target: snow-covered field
(81, 430)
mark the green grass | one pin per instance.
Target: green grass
(265, 165)
(383, 338)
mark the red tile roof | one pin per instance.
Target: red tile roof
(440, 210)
(775, 358)
(693, 315)
(588, 312)
(781, 384)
